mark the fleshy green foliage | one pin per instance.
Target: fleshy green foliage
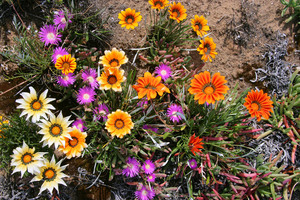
(295, 6)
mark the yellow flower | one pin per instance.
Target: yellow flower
(158, 4)
(66, 63)
(207, 49)
(129, 18)
(177, 12)
(2, 122)
(113, 59)
(74, 147)
(51, 174)
(199, 25)
(55, 130)
(119, 123)
(34, 106)
(111, 79)
(25, 159)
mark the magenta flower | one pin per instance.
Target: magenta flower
(66, 80)
(145, 194)
(173, 111)
(101, 112)
(148, 167)
(132, 167)
(58, 52)
(90, 76)
(192, 163)
(79, 124)
(143, 103)
(164, 71)
(86, 95)
(60, 19)
(49, 35)
(151, 178)
(150, 128)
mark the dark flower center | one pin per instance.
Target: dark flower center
(129, 19)
(73, 142)
(119, 124)
(255, 105)
(55, 130)
(158, 3)
(112, 79)
(26, 158)
(176, 13)
(114, 62)
(36, 105)
(208, 89)
(49, 174)
(198, 26)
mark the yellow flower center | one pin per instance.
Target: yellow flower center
(37, 105)
(176, 13)
(73, 142)
(114, 62)
(163, 72)
(119, 124)
(208, 89)
(147, 166)
(255, 106)
(66, 65)
(27, 158)
(144, 193)
(79, 126)
(86, 96)
(112, 79)
(66, 78)
(56, 130)
(129, 19)
(150, 177)
(174, 113)
(50, 36)
(63, 20)
(91, 79)
(49, 174)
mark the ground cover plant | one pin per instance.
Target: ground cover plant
(174, 131)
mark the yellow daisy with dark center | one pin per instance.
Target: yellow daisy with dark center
(35, 106)
(199, 25)
(113, 59)
(111, 79)
(25, 159)
(207, 49)
(55, 130)
(177, 12)
(74, 147)
(119, 123)
(66, 64)
(51, 174)
(129, 18)
(158, 4)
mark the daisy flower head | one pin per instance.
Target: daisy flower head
(129, 18)
(148, 167)
(158, 4)
(52, 175)
(177, 12)
(61, 20)
(25, 159)
(199, 25)
(86, 95)
(101, 112)
(55, 130)
(35, 106)
(259, 104)
(66, 80)
(66, 64)
(58, 52)
(164, 71)
(49, 35)
(207, 49)
(192, 163)
(119, 123)
(145, 194)
(113, 59)
(89, 76)
(151, 178)
(207, 89)
(132, 167)
(74, 146)
(150, 86)
(79, 123)
(195, 144)
(111, 79)
(173, 111)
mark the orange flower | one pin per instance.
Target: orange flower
(177, 12)
(207, 48)
(195, 144)
(158, 4)
(206, 89)
(66, 63)
(150, 85)
(113, 59)
(111, 79)
(129, 18)
(258, 104)
(199, 25)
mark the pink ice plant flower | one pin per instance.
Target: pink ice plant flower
(101, 112)
(49, 35)
(192, 163)
(132, 167)
(164, 71)
(90, 76)
(148, 167)
(60, 19)
(150, 128)
(66, 80)
(151, 178)
(79, 124)
(145, 194)
(58, 52)
(173, 111)
(86, 95)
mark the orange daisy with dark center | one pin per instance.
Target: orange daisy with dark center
(111, 79)
(207, 49)
(113, 59)
(207, 89)
(158, 4)
(150, 86)
(259, 104)
(199, 25)
(129, 18)
(66, 63)
(177, 12)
